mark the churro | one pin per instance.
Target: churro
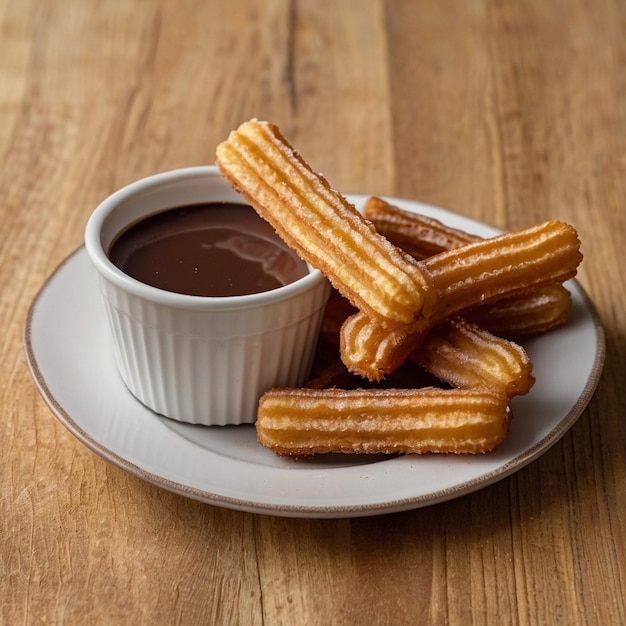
(418, 235)
(519, 316)
(464, 277)
(322, 226)
(399, 293)
(466, 356)
(458, 353)
(304, 422)
(502, 266)
(373, 351)
(530, 314)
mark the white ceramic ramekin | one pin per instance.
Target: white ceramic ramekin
(199, 359)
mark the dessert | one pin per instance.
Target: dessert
(323, 228)
(528, 314)
(418, 235)
(508, 264)
(466, 356)
(400, 292)
(372, 350)
(303, 422)
(458, 353)
(465, 277)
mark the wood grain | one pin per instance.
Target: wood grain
(510, 112)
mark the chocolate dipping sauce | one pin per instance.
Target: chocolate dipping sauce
(217, 249)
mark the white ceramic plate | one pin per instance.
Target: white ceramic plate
(68, 352)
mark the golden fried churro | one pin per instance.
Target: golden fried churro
(466, 356)
(527, 314)
(321, 226)
(483, 271)
(393, 309)
(458, 352)
(373, 351)
(418, 235)
(503, 266)
(303, 422)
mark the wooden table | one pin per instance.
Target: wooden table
(510, 112)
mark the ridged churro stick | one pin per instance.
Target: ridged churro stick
(466, 356)
(418, 235)
(322, 227)
(503, 266)
(526, 315)
(460, 354)
(303, 422)
(465, 277)
(520, 316)
(373, 351)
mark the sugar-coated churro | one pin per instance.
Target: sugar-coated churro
(464, 277)
(509, 264)
(526, 315)
(466, 356)
(411, 292)
(303, 422)
(418, 235)
(530, 313)
(458, 353)
(373, 351)
(323, 228)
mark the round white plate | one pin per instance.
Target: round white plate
(71, 360)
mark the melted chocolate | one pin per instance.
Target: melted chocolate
(218, 249)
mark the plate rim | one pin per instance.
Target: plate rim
(321, 511)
